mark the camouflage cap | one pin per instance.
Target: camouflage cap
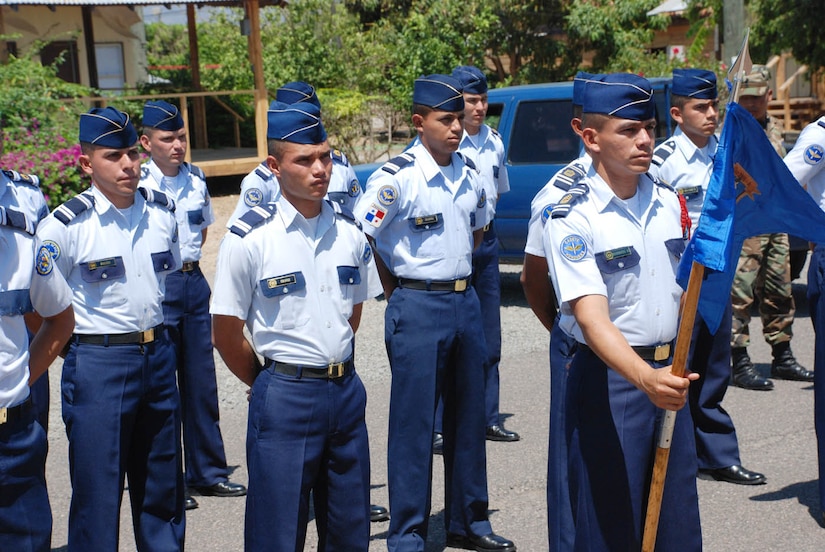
(757, 82)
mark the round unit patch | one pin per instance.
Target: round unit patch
(573, 248)
(52, 248)
(253, 197)
(354, 188)
(813, 154)
(367, 253)
(482, 201)
(545, 213)
(44, 261)
(387, 195)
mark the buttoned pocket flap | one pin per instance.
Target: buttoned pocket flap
(424, 223)
(163, 261)
(102, 270)
(338, 197)
(349, 275)
(676, 246)
(196, 216)
(616, 260)
(283, 285)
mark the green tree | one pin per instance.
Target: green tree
(778, 27)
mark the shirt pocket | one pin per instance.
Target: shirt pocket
(163, 261)
(676, 247)
(195, 217)
(620, 271)
(104, 281)
(426, 233)
(349, 278)
(288, 294)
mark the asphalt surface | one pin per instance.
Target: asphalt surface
(775, 429)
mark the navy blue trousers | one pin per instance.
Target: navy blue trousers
(436, 347)
(25, 514)
(186, 316)
(816, 302)
(40, 397)
(611, 429)
(121, 409)
(307, 435)
(560, 528)
(486, 279)
(716, 443)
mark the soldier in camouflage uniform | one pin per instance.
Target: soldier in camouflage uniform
(764, 270)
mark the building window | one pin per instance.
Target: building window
(68, 69)
(111, 71)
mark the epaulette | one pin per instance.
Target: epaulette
(16, 219)
(495, 132)
(24, 178)
(338, 155)
(661, 153)
(344, 212)
(573, 195)
(569, 176)
(67, 212)
(397, 163)
(154, 196)
(467, 161)
(197, 171)
(252, 218)
(263, 172)
(662, 184)
(821, 123)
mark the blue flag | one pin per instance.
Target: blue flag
(751, 192)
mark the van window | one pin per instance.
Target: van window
(494, 111)
(542, 134)
(662, 101)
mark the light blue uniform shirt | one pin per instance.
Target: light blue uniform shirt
(193, 206)
(295, 284)
(486, 150)
(115, 265)
(22, 193)
(422, 223)
(687, 168)
(261, 187)
(602, 248)
(28, 280)
(805, 160)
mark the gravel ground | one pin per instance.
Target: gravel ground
(775, 431)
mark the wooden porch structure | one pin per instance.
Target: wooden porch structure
(223, 162)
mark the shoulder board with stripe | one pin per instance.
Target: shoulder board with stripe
(662, 183)
(661, 153)
(569, 176)
(467, 161)
(495, 132)
(154, 196)
(197, 171)
(573, 196)
(397, 163)
(22, 178)
(821, 123)
(338, 155)
(16, 219)
(253, 218)
(67, 212)
(263, 172)
(344, 212)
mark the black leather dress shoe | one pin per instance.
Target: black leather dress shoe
(487, 543)
(378, 513)
(189, 503)
(438, 443)
(736, 474)
(498, 433)
(223, 489)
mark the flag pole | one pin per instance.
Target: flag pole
(683, 338)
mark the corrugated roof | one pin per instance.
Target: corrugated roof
(669, 7)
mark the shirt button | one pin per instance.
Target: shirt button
(329, 325)
(104, 275)
(351, 280)
(658, 312)
(165, 266)
(286, 290)
(621, 265)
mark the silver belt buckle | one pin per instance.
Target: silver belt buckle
(335, 370)
(147, 337)
(661, 352)
(461, 285)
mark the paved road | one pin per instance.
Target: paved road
(776, 435)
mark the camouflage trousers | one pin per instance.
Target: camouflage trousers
(764, 273)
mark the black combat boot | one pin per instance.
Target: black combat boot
(785, 366)
(745, 374)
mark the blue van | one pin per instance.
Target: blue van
(534, 123)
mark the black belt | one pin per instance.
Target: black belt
(656, 353)
(14, 413)
(428, 285)
(333, 370)
(131, 338)
(189, 266)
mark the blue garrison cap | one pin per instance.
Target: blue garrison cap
(297, 92)
(107, 127)
(439, 92)
(695, 83)
(299, 123)
(471, 78)
(622, 95)
(162, 116)
(578, 85)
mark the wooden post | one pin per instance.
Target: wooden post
(184, 113)
(198, 103)
(783, 93)
(89, 42)
(257, 60)
(4, 47)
